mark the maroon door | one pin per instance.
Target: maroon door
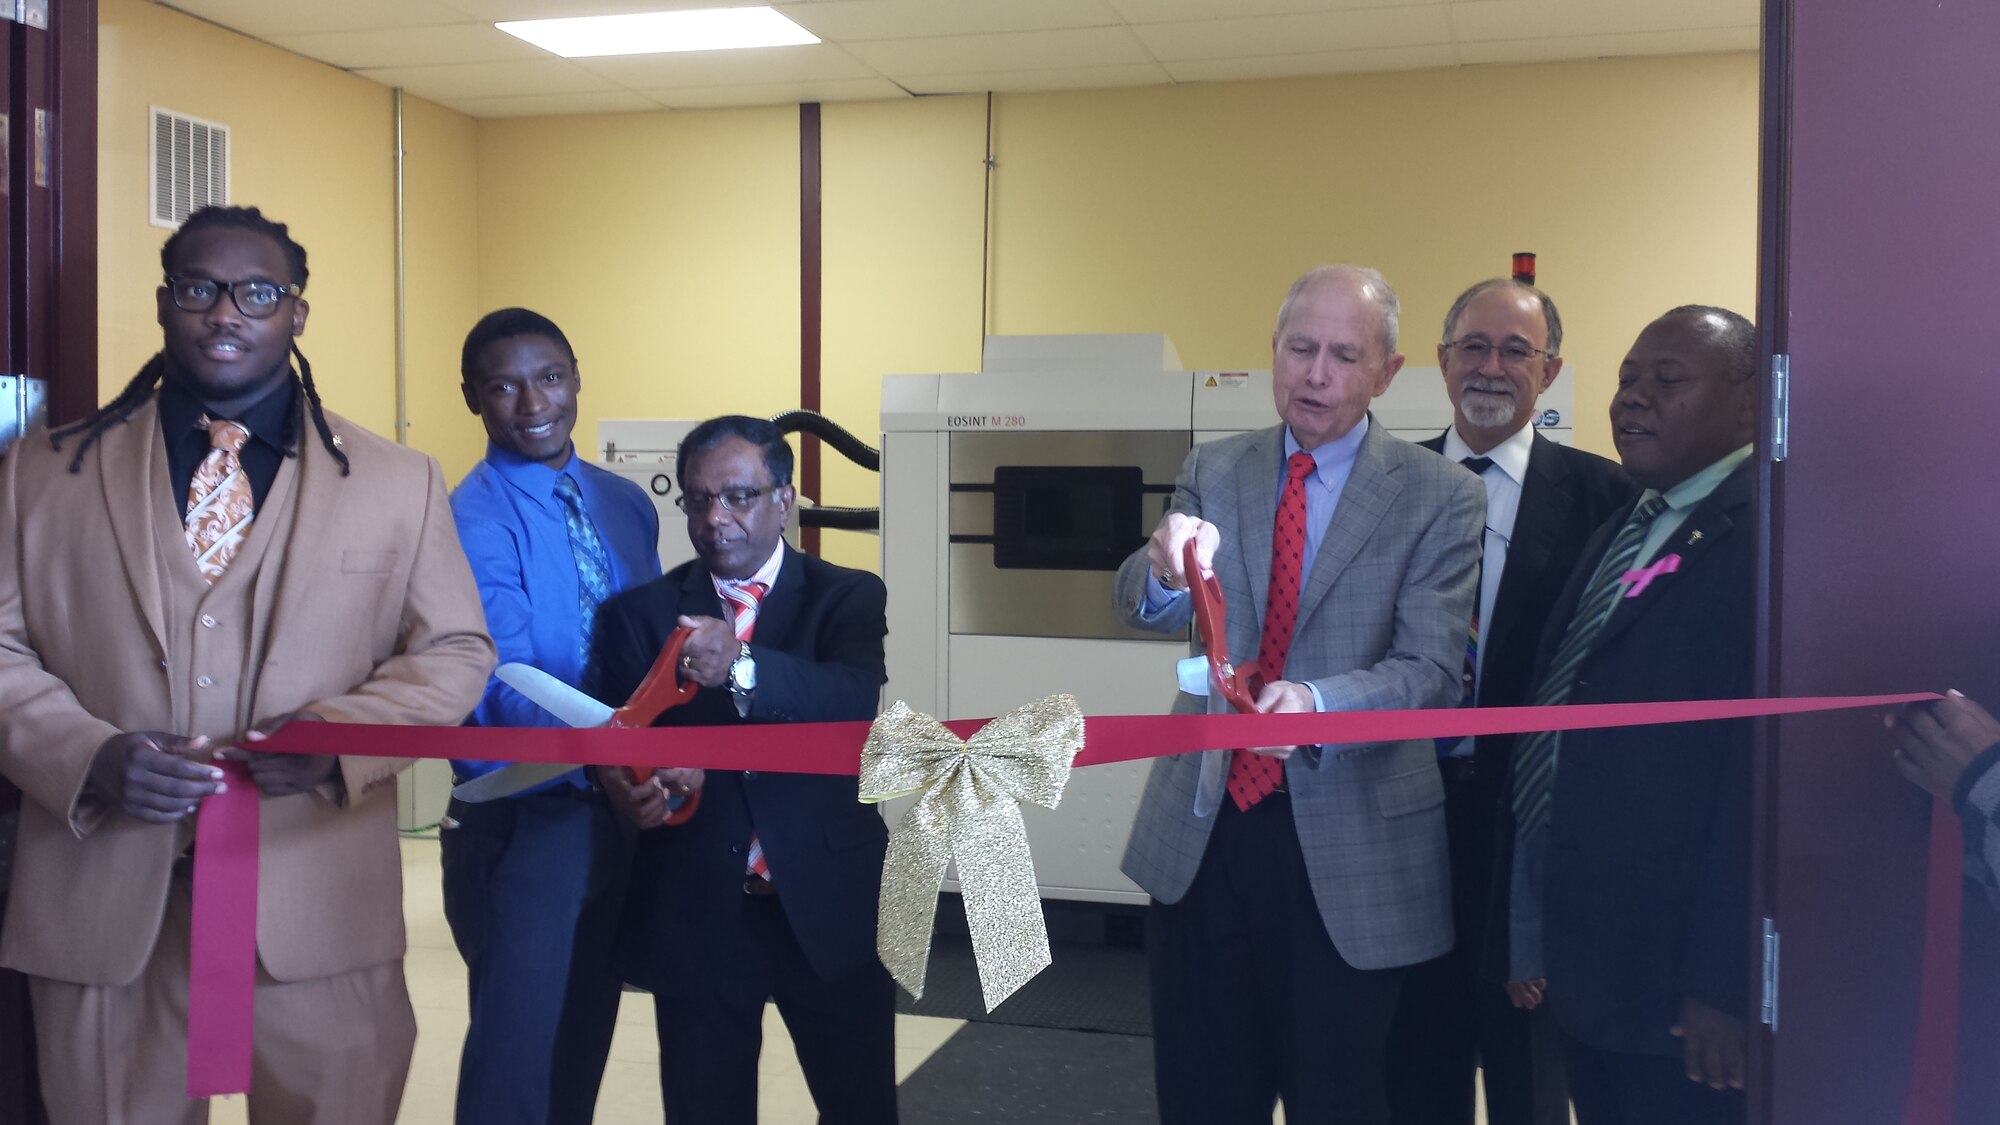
(1879, 248)
(48, 314)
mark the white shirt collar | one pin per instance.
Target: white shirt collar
(1510, 456)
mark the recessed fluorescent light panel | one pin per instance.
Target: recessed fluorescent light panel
(652, 33)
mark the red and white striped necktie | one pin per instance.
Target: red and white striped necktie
(743, 601)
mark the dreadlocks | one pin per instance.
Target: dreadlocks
(141, 387)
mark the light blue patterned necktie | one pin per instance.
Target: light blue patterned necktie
(593, 566)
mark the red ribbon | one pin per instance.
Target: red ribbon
(222, 938)
(223, 959)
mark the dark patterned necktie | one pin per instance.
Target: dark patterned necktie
(1253, 776)
(593, 566)
(1535, 754)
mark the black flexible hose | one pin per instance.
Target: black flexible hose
(830, 432)
(842, 519)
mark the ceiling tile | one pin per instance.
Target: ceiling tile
(848, 20)
(1020, 50)
(1296, 35)
(266, 18)
(1547, 19)
(816, 62)
(1699, 42)
(1175, 11)
(410, 46)
(781, 93)
(549, 105)
(1036, 81)
(490, 79)
(493, 11)
(1323, 62)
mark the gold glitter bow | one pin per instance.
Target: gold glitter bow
(969, 811)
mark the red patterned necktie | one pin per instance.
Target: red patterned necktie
(743, 601)
(220, 504)
(1252, 776)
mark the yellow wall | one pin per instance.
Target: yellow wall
(666, 244)
(441, 248)
(902, 187)
(1188, 210)
(314, 148)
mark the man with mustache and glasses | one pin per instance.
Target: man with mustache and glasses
(1502, 347)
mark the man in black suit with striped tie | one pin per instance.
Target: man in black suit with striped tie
(1629, 868)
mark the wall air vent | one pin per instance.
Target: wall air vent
(189, 166)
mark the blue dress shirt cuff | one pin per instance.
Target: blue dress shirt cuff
(1157, 598)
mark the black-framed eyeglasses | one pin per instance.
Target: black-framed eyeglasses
(254, 299)
(1513, 353)
(732, 500)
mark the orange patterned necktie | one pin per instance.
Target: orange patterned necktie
(220, 505)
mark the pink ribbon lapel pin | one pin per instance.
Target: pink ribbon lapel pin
(1637, 580)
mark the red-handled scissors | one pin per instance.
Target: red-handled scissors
(660, 691)
(1239, 684)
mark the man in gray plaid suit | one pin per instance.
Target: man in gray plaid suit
(1291, 885)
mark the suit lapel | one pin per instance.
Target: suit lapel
(698, 596)
(779, 610)
(306, 539)
(132, 467)
(1545, 496)
(1707, 525)
(1371, 490)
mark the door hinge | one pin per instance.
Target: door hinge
(1781, 405)
(22, 405)
(34, 13)
(1768, 1010)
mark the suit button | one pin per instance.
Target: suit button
(749, 775)
(204, 682)
(207, 622)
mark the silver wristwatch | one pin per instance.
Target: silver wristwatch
(743, 675)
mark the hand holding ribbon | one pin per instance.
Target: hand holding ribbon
(968, 810)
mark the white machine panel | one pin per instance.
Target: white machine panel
(1078, 844)
(1065, 399)
(642, 451)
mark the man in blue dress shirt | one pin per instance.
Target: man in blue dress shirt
(533, 883)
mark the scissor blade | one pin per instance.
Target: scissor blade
(552, 695)
(509, 780)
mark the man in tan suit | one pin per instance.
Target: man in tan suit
(181, 574)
